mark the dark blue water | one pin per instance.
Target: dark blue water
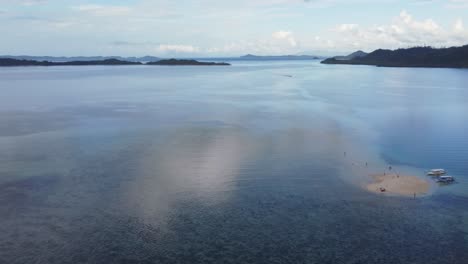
(236, 164)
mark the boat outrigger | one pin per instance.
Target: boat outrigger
(436, 172)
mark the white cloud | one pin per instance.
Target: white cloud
(403, 31)
(457, 4)
(103, 10)
(33, 2)
(23, 2)
(281, 34)
(171, 48)
(285, 35)
(265, 46)
(458, 27)
(347, 28)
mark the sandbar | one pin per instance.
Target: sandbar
(398, 185)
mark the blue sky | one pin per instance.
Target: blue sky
(226, 28)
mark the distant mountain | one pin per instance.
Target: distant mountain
(6, 62)
(142, 59)
(145, 59)
(81, 58)
(280, 57)
(351, 56)
(175, 62)
(454, 57)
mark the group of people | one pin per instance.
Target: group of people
(367, 164)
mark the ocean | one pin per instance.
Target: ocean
(252, 163)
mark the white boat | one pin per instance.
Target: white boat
(445, 179)
(436, 172)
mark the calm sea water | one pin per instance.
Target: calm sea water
(240, 164)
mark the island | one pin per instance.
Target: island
(79, 58)
(175, 62)
(7, 62)
(453, 57)
(353, 55)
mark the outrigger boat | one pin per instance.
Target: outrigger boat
(436, 172)
(445, 179)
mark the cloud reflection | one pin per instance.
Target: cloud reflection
(191, 163)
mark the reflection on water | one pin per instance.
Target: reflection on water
(234, 164)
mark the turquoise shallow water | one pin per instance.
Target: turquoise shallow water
(238, 164)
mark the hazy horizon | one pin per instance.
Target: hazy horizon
(168, 57)
(210, 28)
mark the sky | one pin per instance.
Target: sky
(214, 28)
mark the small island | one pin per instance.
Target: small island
(7, 62)
(175, 62)
(79, 58)
(454, 57)
(10, 62)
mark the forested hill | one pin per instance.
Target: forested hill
(7, 62)
(454, 57)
